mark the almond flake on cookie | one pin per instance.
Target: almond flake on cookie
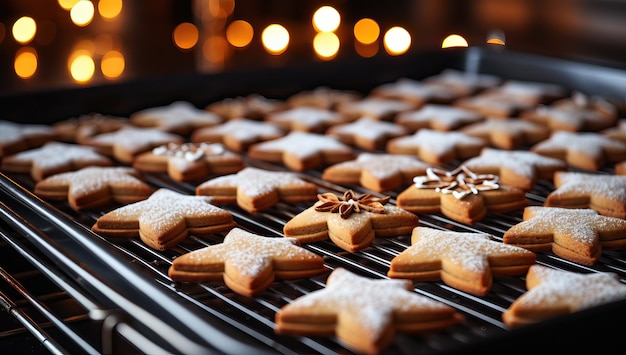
(238, 134)
(306, 119)
(364, 313)
(438, 117)
(366, 133)
(165, 219)
(578, 235)
(94, 186)
(377, 172)
(553, 293)
(518, 168)
(507, 133)
(256, 189)
(601, 192)
(465, 261)
(17, 137)
(179, 117)
(247, 262)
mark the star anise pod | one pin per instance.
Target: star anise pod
(350, 203)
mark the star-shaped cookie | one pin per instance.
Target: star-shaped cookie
(252, 107)
(601, 192)
(378, 108)
(322, 97)
(53, 158)
(351, 221)
(364, 313)
(578, 235)
(583, 150)
(94, 186)
(518, 168)
(438, 117)
(507, 133)
(17, 137)
(553, 292)
(179, 117)
(256, 189)
(415, 92)
(300, 151)
(366, 133)
(247, 262)
(238, 134)
(306, 119)
(376, 171)
(465, 261)
(164, 219)
(462, 82)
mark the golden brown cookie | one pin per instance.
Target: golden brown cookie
(578, 235)
(366, 133)
(165, 219)
(465, 261)
(618, 132)
(507, 133)
(79, 129)
(435, 147)
(252, 107)
(377, 172)
(463, 83)
(553, 293)
(179, 117)
(601, 192)
(306, 119)
(322, 97)
(238, 134)
(583, 150)
(300, 151)
(493, 103)
(438, 117)
(350, 221)
(53, 158)
(17, 137)
(247, 262)
(94, 186)
(189, 161)
(517, 168)
(256, 189)
(364, 313)
(415, 92)
(377, 108)
(460, 194)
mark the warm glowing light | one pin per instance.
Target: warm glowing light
(185, 35)
(25, 64)
(82, 68)
(366, 31)
(326, 19)
(215, 50)
(109, 9)
(397, 40)
(239, 33)
(366, 50)
(497, 41)
(497, 38)
(454, 41)
(275, 39)
(82, 13)
(326, 45)
(112, 64)
(24, 29)
(67, 4)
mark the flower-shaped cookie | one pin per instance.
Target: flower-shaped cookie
(366, 133)
(553, 292)
(465, 261)
(164, 219)
(179, 117)
(364, 313)
(238, 134)
(578, 235)
(351, 221)
(248, 263)
(507, 133)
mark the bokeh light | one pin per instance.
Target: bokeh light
(25, 64)
(82, 13)
(67, 4)
(397, 40)
(275, 39)
(185, 35)
(326, 45)
(109, 9)
(82, 67)
(215, 50)
(366, 31)
(24, 29)
(454, 41)
(326, 19)
(112, 64)
(239, 33)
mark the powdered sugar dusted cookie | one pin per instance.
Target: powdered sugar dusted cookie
(238, 134)
(247, 262)
(79, 129)
(378, 108)
(601, 192)
(586, 150)
(465, 261)
(377, 172)
(94, 186)
(189, 161)
(578, 235)
(322, 97)
(179, 117)
(494, 103)
(300, 151)
(438, 117)
(252, 107)
(17, 137)
(306, 119)
(366, 133)
(507, 133)
(463, 82)
(534, 92)
(256, 189)
(364, 313)
(435, 147)
(351, 221)
(53, 158)
(460, 194)
(553, 293)
(415, 92)
(618, 132)
(125, 144)
(165, 219)
(518, 168)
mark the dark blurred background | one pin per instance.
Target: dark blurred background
(129, 39)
